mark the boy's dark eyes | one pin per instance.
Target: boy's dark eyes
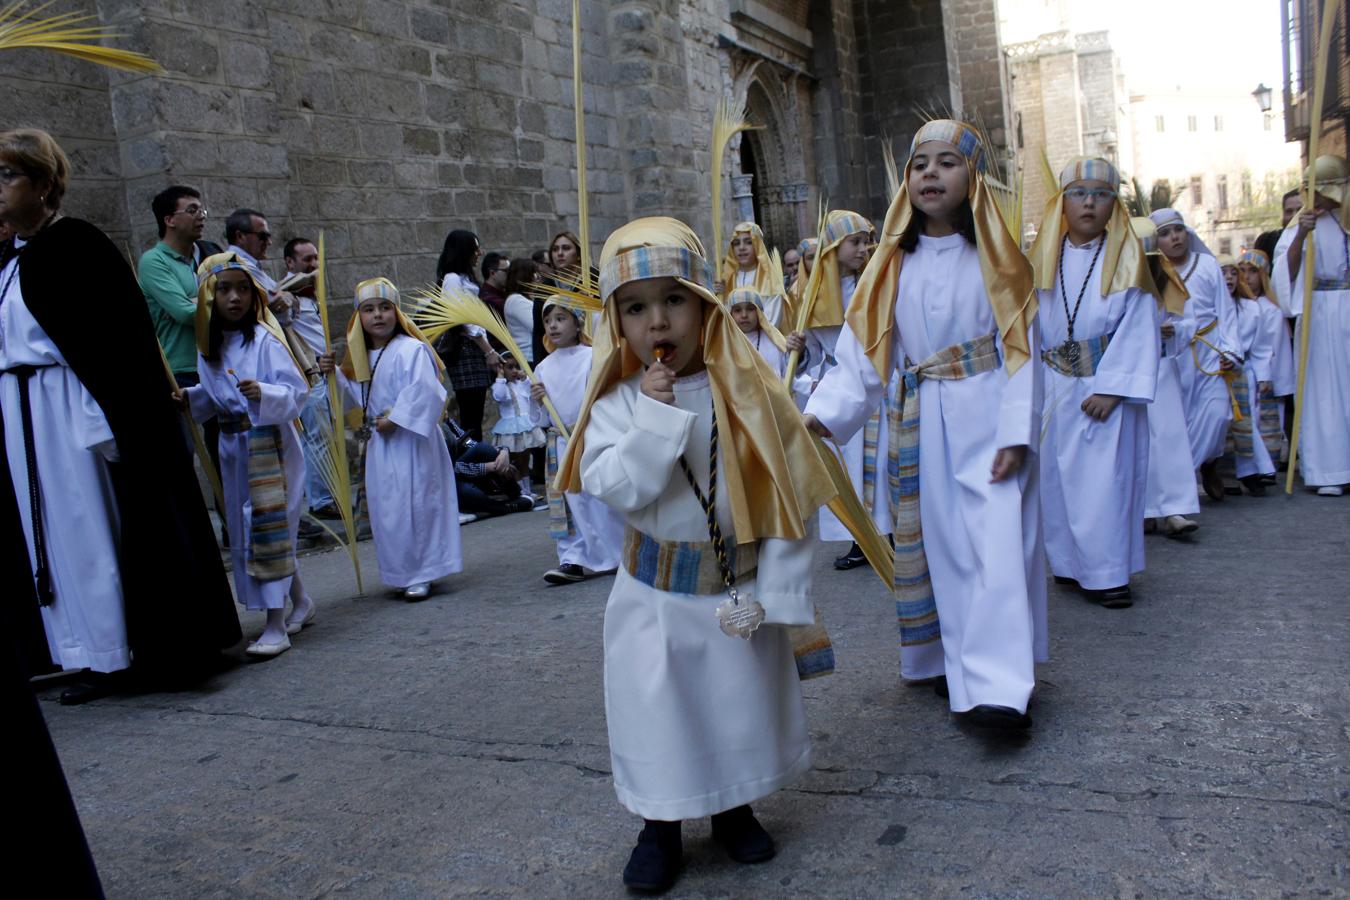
(674, 299)
(633, 309)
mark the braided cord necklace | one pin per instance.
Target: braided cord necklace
(363, 433)
(1070, 348)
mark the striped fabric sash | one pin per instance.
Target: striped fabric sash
(871, 438)
(914, 602)
(690, 567)
(271, 550)
(1332, 284)
(1268, 423)
(234, 424)
(1240, 432)
(1266, 419)
(559, 515)
(1081, 361)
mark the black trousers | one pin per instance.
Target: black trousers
(480, 495)
(471, 401)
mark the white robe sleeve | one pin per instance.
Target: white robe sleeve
(92, 431)
(1288, 291)
(1184, 326)
(1019, 416)
(1129, 367)
(422, 400)
(284, 389)
(200, 403)
(783, 579)
(1226, 336)
(849, 393)
(349, 392)
(630, 455)
(501, 391)
(1263, 348)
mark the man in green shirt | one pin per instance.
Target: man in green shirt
(168, 274)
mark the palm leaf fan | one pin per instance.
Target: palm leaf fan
(437, 310)
(892, 170)
(69, 34)
(330, 454)
(728, 121)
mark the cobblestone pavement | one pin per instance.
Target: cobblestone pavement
(1195, 744)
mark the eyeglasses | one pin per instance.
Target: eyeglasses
(8, 176)
(265, 236)
(194, 210)
(1080, 194)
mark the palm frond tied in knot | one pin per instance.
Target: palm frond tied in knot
(437, 310)
(68, 33)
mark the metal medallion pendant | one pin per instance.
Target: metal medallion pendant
(1071, 351)
(738, 618)
(363, 433)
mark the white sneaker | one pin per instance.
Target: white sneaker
(419, 591)
(1330, 490)
(466, 518)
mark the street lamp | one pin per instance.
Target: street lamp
(1262, 96)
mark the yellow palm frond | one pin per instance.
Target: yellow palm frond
(1048, 174)
(583, 201)
(437, 310)
(855, 517)
(728, 121)
(67, 33)
(584, 296)
(331, 452)
(892, 170)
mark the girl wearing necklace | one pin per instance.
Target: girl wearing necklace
(392, 375)
(946, 311)
(1213, 348)
(1100, 332)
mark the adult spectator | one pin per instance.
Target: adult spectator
(470, 361)
(522, 313)
(540, 259)
(791, 261)
(247, 234)
(486, 484)
(113, 535)
(301, 256)
(494, 268)
(1289, 207)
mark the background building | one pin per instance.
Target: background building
(1300, 23)
(385, 123)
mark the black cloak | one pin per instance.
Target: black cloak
(177, 600)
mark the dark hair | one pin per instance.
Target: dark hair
(522, 272)
(215, 332)
(457, 254)
(963, 222)
(539, 257)
(240, 222)
(490, 261)
(1290, 193)
(165, 203)
(292, 244)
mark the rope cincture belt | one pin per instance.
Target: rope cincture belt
(42, 576)
(1228, 376)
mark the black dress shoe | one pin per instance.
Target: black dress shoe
(940, 687)
(655, 862)
(1212, 481)
(1069, 582)
(327, 511)
(1004, 717)
(850, 560)
(1254, 485)
(1114, 598)
(309, 529)
(95, 686)
(741, 835)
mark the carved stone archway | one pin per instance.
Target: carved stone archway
(779, 188)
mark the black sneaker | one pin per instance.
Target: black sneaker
(741, 835)
(567, 573)
(655, 862)
(999, 717)
(521, 504)
(329, 511)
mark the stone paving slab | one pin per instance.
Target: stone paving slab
(1195, 745)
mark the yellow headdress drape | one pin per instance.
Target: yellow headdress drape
(750, 295)
(1007, 276)
(828, 307)
(1331, 179)
(356, 360)
(207, 274)
(1255, 259)
(583, 334)
(1174, 293)
(1123, 262)
(768, 275)
(773, 477)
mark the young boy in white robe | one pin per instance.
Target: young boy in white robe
(1100, 337)
(253, 385)
(747, 311)
(840, 259)
(1170, 495)
(749, 264)
(948, 305)
(692, 437)
(1213, 348)
(392, 374)
(589, 533)
(1253, 269)
(1324, 426)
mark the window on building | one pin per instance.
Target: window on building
(1218, 123)
(1160, 123)
(1225, 246)
(1191, 124)
(1221, 182)
(1247, 188)
(1197, 190)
